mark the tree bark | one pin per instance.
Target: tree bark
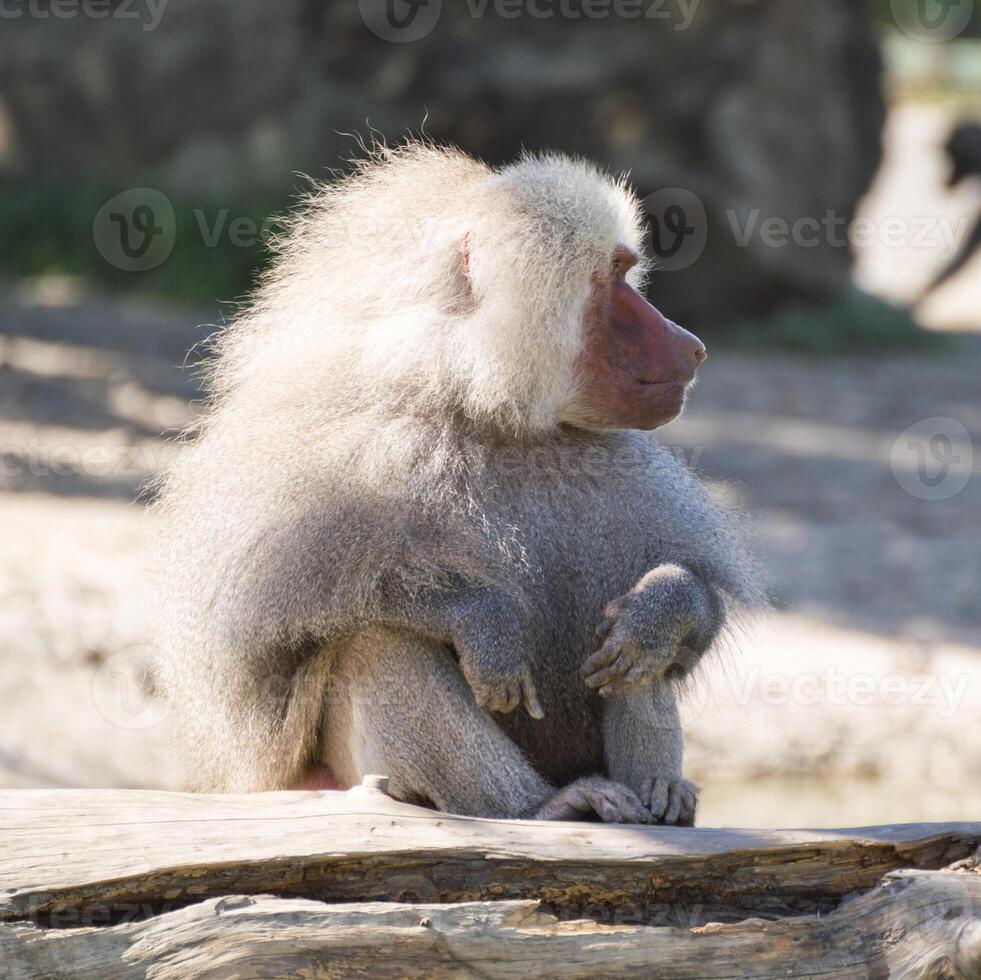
(137, 884)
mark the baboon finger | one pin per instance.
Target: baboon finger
(603, 657)
(532, 704)
(603, 630)
(632, 680)
(616, 670)
(659, 796)
(612, 609)
(508, 700)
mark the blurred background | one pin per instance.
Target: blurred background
(811, 173)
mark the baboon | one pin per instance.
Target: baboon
(420, 531)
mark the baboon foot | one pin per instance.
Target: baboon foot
(610, 801)
(670, 800)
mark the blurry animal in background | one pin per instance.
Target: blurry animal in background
(419, 531)
(964, 152)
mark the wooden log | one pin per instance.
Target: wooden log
(919, 924)
(67, 851)
(116, 883)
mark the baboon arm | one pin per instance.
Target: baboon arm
(691, 598)
(483, 628)
(656, 632)
(673, 603)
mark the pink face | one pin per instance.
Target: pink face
(636, 364)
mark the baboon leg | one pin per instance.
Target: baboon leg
(643, 744)
(399, 706)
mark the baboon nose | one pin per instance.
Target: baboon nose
(692, 350)
(689, 351)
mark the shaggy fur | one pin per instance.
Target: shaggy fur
(383, 491)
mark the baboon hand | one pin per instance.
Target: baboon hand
(502, 686)
(485, 631)
(648, 633)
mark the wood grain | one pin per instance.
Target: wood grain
(920, 924)
(120, 884)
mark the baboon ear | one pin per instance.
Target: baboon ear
(468, 299)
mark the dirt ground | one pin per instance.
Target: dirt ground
(857, 700)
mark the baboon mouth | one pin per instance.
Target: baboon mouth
(673, 383)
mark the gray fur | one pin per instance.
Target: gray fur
(384, 541)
